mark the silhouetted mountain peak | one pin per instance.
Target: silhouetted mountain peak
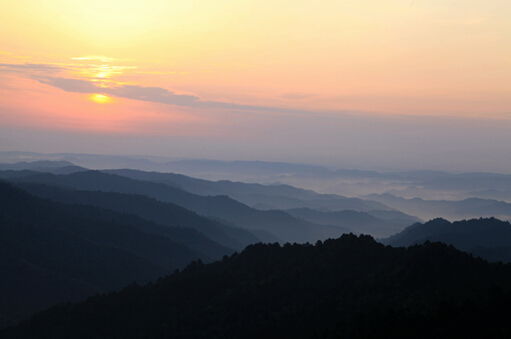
(324, 290)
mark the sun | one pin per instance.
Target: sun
(100, 98)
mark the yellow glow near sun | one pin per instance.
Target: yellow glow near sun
(100, 98)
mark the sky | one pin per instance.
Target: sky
(350, 84)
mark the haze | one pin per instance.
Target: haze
(352, 84)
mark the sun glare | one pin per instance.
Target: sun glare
(100, 98)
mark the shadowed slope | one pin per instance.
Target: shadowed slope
(52, 252)
(301, 291)
(278, 223)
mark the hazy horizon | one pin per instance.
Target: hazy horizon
(161, 159)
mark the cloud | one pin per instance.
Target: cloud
(45, 74)
(71, 85)
(232, 106)
(134, 92)
(155, 72)
(98, 71)
(98, 58)
(297, 96)
(153, 94)
(31, 67)
(12, 56)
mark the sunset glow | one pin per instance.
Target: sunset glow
(265, 74)
(100, 98)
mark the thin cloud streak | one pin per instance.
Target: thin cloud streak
(99, 58)
(31, 67)
(71, 85)
(153, 94)
(98, 71)
(297, 96)
(135, 92)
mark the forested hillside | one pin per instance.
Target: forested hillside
(54, 252)
(351, 287)
(92, 233)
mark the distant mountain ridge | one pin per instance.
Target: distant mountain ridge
(358, 222)
(487, 237)
(47, 166)
(176, 218)
(279, 223)
(427, 184)
(252, 194)
(454, 210)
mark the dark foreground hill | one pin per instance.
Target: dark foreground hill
(52, 252)
(351, 287)
(489, 238)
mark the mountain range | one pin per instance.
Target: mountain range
(376, 222)
(449, 209)
(276, 196)
(68, 233)
(52, 252)
(425, 184)
(177, 220)
(351, 287)
(278, 223)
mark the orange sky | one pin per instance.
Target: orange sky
(271, 75)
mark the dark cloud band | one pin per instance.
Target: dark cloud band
(45, 74)
(152, 94)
